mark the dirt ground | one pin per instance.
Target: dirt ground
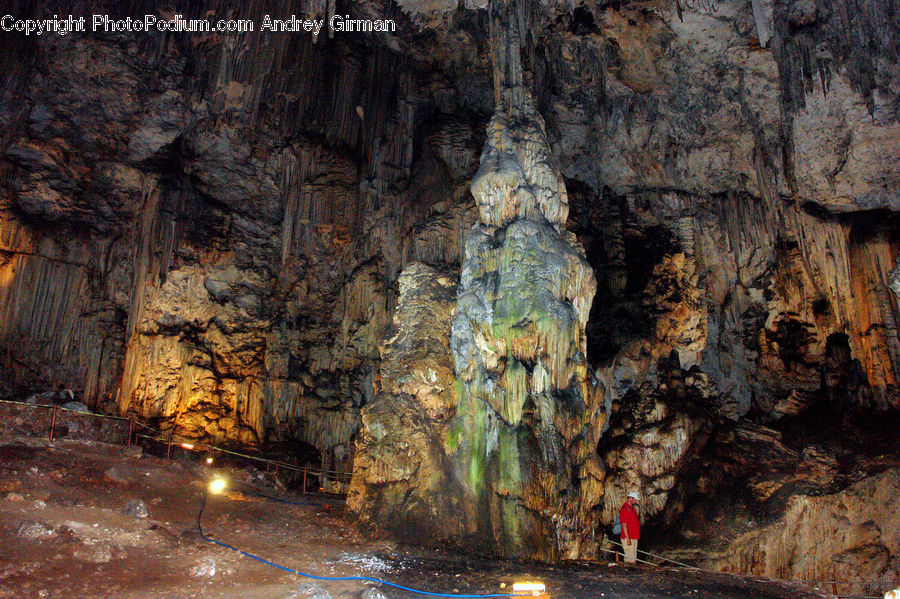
(72, 525)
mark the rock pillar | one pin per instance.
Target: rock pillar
(484, 432)
(528, 418)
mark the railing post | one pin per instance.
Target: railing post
(52, 422)
(130, 430)
(304, 480)
(834, 587)
(169, 444)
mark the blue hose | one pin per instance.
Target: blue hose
(336, 578)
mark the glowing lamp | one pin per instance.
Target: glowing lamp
(209, 460)
(187, 445)
(533, 589)
(217, 485)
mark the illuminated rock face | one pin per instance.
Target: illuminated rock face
(207, 251)
(210, 235)
(403, 479)
(850, 536)
(894, 276)
(496, 453)
(527, 422)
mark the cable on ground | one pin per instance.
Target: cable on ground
(337, 578)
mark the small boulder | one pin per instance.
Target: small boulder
(117, 474)
(205, 569)
(46, 398)
(135, 508)
(94, 553)
(35, 531)
(76, 406)
(309, 591)
(132, 451)
(372, 593)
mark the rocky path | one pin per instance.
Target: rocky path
(81, 519)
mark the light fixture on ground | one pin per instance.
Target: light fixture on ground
(209, 460)
(533, 589)
(217, 485)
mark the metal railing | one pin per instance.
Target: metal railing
(326, 478)
(124, 433)
(820, 585)
(55, 417)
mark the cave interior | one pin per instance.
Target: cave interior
(484, 272)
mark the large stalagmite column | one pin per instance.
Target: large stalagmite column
(527, 420)
(484, 433)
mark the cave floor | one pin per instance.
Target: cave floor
(64, 532)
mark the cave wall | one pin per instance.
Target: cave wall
(733, 175)
(770, 164)
(207, 231)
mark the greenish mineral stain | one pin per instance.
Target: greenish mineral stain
(454, 438)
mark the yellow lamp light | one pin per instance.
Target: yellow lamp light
(533, 589)
(209, 460)
(217, 485)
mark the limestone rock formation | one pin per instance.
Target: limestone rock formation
(402, 478)
(655, 432)
(811, 498)
(528, 420)
(498, 453)
(850, 536)
(205, 238)
(894, 276)
(208, 232)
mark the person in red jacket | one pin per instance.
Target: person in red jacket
(631, 526)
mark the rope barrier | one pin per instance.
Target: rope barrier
(671, 561)
(339, 578)
(618, 553)
(811, 583)
(278, 463)
(25, 403)
(338, 476)
(680, 564)
(59, 407)
(95, 415)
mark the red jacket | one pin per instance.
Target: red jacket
(628, 517)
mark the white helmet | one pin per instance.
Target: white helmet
(635, 495)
